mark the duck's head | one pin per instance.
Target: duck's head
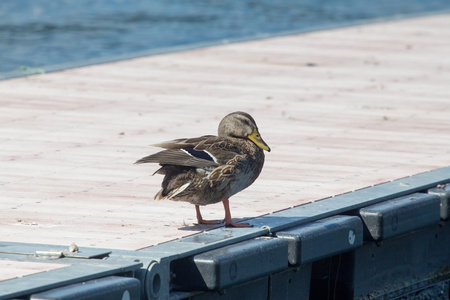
(241, 125)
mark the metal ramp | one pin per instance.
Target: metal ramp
(382, 242)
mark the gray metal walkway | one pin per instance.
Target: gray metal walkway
(383, 241)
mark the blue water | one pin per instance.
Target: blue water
(37, 35)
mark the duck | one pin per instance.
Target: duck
(210, 169)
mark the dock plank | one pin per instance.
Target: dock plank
(342, 109)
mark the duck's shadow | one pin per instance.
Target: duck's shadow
(206, 227)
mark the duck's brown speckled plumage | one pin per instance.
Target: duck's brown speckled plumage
(210, 169)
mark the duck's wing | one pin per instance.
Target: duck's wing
(192, 152)
(179, 157)
(188, 142)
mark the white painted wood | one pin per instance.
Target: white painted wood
(341, 109)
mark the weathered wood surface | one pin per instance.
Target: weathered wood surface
(342, 109)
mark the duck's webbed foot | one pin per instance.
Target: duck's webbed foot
(200, 219)
(228, 222)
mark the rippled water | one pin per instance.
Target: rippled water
(36, 35)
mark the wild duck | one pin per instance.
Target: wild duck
(209, 169)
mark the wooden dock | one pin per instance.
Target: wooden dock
(341, 109)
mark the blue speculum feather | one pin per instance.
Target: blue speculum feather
(198, 154)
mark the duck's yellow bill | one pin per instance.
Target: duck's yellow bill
(256, 138)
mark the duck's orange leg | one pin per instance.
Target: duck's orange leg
(227, 220)
(200, 218)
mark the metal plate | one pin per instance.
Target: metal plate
(231, 265)
(395, 217)
(108, 288)
(322, 238)
(57, 251)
